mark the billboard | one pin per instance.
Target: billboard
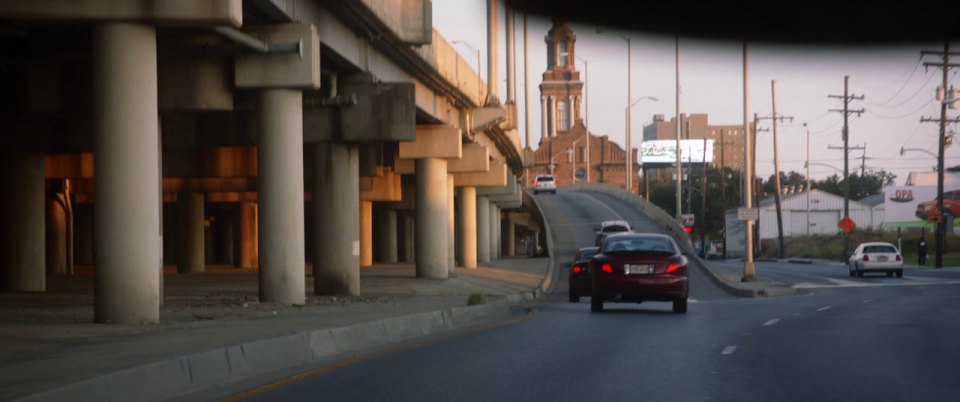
(901, 202)
(665, 151)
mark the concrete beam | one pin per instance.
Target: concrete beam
(198, 83)
(433, 141)
(288, 70)
(487, 117)
(384, 187)
(474, 159)
(496, 176)
(190, 12)
(375, 112)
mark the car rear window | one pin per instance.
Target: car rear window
(545, 178)
(615, 228)
(638, 244)
(879, 249)
(586, 255)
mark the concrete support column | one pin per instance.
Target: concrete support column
(494, 223)
(451, 224)
(511, 239)
(483, 229)
(190, 249)
(281, 226)
(431, 229)
(387, 229)
(468, 227)
(366, 233)
(127, 148)
(336, 222)
(22, 237)
(409, 249)
(56, 237)
(247, 237)
(83, 232)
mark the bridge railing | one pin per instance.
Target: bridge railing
(655, 213)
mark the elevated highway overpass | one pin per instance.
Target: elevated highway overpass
(267, 134)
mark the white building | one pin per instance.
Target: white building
(825, 212)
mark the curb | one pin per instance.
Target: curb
(547, 281)
(189, 373)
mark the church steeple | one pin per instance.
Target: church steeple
(561, 89)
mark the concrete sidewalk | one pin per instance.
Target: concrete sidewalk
(213, 329)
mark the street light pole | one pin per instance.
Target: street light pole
(677, 126)
(629, 146)
(629, 159)
(586, 114)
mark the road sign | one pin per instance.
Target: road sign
(687, 219)
(748, 214)
(846, 224)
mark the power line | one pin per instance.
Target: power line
(872, 113)
(922, 87)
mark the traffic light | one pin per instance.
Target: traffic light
(688, 229)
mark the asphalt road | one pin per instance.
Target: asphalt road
(872, 338)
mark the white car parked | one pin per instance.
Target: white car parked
(544, 183)
(876, 257)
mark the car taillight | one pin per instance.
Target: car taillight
(866, 257)
(899, 258)
(606, 268)
(577, 269)
(673, 268)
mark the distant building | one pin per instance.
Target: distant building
(562, 150)
(825, 211)
(728, 139)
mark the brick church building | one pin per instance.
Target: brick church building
(563, 147)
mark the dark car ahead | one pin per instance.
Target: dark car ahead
(580, 275)
(607, 227)
(638, 267)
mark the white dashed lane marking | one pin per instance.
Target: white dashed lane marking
(824, 308)
(728, 350)
(771, 322)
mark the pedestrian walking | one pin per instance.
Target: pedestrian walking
(922, 251)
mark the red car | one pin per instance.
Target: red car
(638, 267)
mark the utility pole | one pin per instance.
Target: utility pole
(846, 160)
(945, 66)
(679, 169)
(807, 165)
(703, 204)
(863, 161)
(749, 270)
(757, 182)
(776, 167)
(723, 191)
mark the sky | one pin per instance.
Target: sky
(898, 90)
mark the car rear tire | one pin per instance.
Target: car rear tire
(889, 274)
(596, 304)
(859, 273)
(852, 272)
(574, 298)
(900, 273)
(680, 306)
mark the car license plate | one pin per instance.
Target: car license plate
(638, 269)
(883, 258)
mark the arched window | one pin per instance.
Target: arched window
(563, 117)
(563, 55)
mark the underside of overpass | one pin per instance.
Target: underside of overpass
(272, 135)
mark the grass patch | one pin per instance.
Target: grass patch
(830, 247)
(475, 299)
